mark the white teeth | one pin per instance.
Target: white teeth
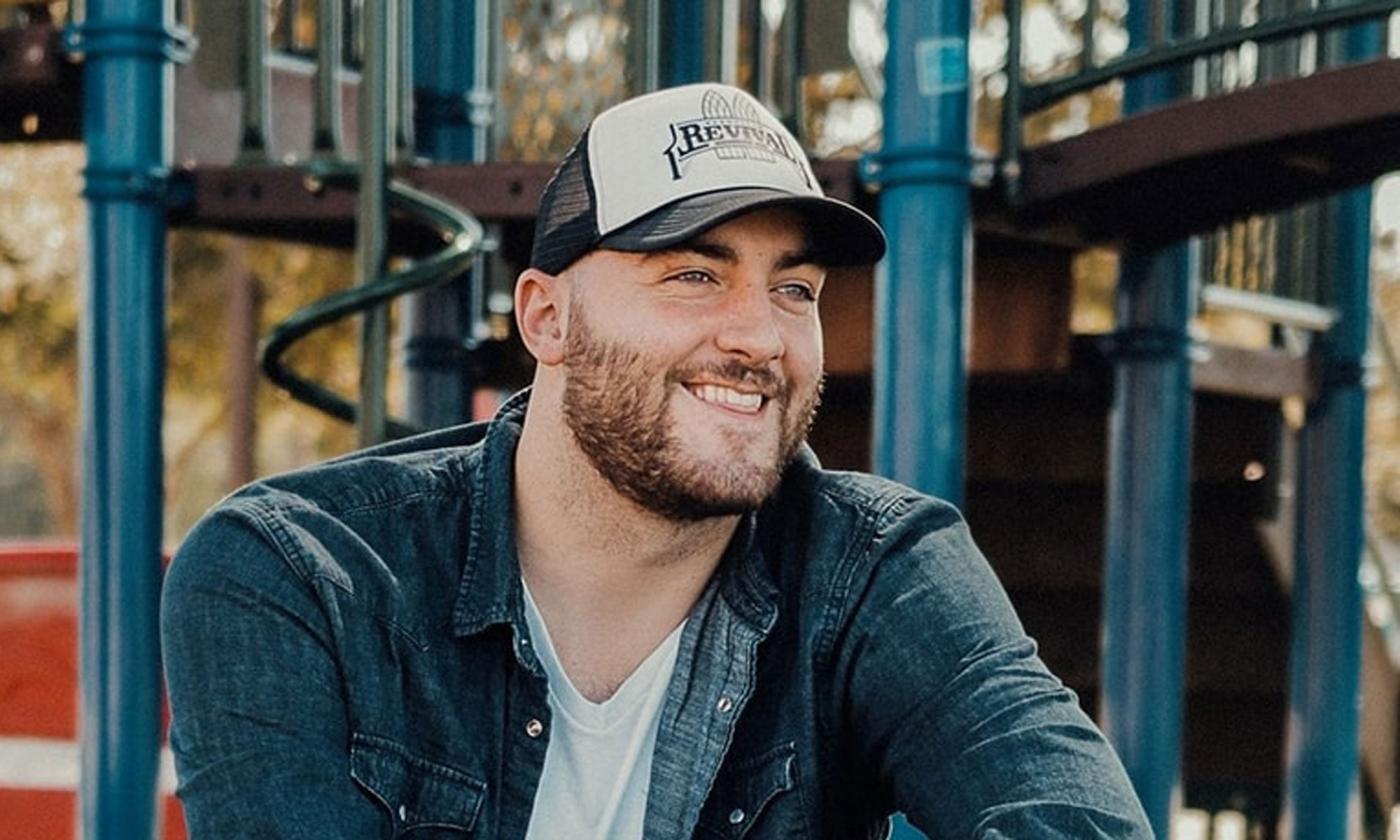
(721, 395)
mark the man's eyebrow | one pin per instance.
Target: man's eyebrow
(713, 250)
(792, 259)
(724, 253)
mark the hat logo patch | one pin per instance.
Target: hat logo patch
(732, 131)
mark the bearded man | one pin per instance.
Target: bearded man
(632, 605)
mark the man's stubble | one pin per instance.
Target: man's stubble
(617, 404)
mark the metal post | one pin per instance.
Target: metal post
(371, 218)
(329, 40)
(921, 303)
(128, 46)
(257, 82)
(1147, 525)
(683, 35)
(403, 81)
(1011, 128)
(452, 95)
(1322, 793)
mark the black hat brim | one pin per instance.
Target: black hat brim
(840, 235)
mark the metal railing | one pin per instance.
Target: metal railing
(1266, 267)
(463, 236)
(378, 33)
(1165, 52)
(298, 27)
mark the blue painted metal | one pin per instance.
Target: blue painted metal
(452, 112)
(450, 74)
(1325, 658)
(445, 71)
(128, 46)
(682, 48)
(1147, 525)
(921, 302)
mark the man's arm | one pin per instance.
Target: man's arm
(259, 726)
(950, 706)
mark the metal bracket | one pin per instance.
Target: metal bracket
(166, 43)
(1334, 373)
(915, 165)
(156, 185)
(1147, 344)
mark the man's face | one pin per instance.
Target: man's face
(692, 375)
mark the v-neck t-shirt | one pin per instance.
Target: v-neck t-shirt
(597, 768)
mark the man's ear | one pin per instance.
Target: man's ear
(539, 314)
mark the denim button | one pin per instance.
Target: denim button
(403, 812)
(724, 705)
(736, 816)
(534, 728)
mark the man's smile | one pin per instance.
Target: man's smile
(728, 398)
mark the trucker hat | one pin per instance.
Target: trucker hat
(657, 170)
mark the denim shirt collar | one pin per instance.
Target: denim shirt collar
(490, 591)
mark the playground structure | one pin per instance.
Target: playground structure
(377, 128)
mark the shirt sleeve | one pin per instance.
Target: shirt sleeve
(951, 709)
(259, 727)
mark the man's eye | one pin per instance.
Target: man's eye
(695, 277)
(798, 291)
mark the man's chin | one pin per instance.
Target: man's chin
(728, 488)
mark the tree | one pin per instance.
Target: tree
(42, 259)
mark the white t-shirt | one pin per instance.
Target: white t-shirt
(597, 768)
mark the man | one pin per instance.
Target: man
(632, 605)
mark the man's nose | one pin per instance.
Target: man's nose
(750, 328)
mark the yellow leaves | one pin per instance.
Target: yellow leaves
(563, 64)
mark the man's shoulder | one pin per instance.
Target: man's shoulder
(829, 530)
(439, 463)
(821, 499)
(400, 503)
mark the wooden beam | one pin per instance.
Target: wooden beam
(1262, 374)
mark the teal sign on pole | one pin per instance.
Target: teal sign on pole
(941, 65)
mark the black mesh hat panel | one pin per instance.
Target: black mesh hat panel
(566, 227)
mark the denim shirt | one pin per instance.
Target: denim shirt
(347, 657)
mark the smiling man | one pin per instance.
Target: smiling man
(632, 605)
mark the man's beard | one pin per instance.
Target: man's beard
(617, 404)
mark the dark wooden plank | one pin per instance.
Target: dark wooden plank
(1190, 166)
(1262, 374)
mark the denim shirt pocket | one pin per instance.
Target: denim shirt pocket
(424, 799)
(746, 790)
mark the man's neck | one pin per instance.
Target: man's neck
(611, 578)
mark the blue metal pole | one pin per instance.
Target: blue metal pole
(453, 103)
(1148, 514)
(682, 52)
(1325, 659)
(1148, 493)
(921, 303)
(444, 53)
(128, 46)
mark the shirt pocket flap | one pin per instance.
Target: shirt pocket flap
(746, 788)
(418, 793)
